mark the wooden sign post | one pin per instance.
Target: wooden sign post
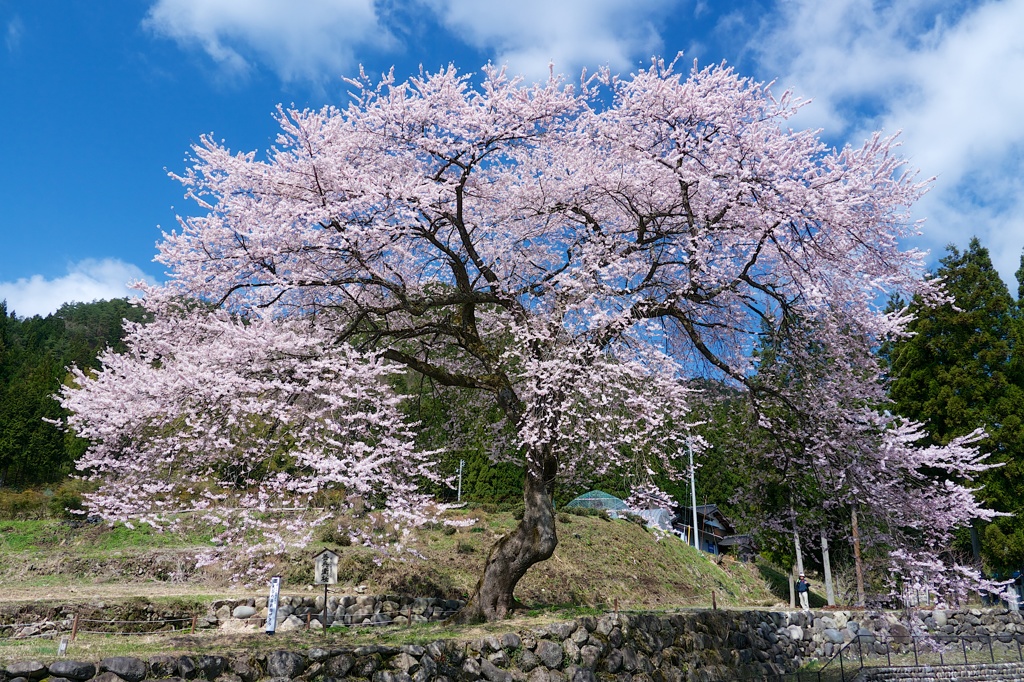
(325, 572)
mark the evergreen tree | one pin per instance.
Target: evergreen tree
(962, 370)
(34, 355)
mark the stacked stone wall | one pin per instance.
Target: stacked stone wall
(696, 645)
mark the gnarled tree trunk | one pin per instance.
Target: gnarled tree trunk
(532, 541)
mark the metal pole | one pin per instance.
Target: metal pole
(693, 498)
(462, 462)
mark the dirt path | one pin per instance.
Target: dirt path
(111, 591)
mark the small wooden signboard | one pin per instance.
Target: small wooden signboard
(325, 572)
(325, 568)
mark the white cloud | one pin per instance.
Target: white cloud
(86, 281)
(529, 34)
(12, 36)
(299, 40)
(946, 74)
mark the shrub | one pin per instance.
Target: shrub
(30, 504)
(336, 535)
(564, 518)
(464, 548)
(449, 530)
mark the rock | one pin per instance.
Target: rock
(228, 677)
(589, 656)
(498, 658)
(211, 667)
(493, 673)
(900, 633)
(582, 675)
(405, 663)
(30, 670)
(528, 661)
(243, 611)
(72, 670)
(107, 677)
(318, 655)
(338, 666)
(510, 640)
(471, 668)
(245, 669)
(549, 653)
(285, 664)
(833, 635)
(161, 666)
(940, 617)
(613, 662)
(572, 652)
(127, 668)
(561, 631)
(186, 667)
(290, 624)
(391, 676)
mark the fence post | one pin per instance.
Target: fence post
(888, 653)
(991, 652)
(74, 629)
(963, 645)
(194, 618)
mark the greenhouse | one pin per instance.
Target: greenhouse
(596, 499)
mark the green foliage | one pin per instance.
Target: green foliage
(28, 504)
(34, 355)
(963, 369)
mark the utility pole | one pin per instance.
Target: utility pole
(693, 498)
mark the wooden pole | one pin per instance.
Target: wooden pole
(859, 565)
(714, 602)
(74, 628)
(194, 625)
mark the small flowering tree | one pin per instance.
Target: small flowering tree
(570, 252)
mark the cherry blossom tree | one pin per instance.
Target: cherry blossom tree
(836, 450)
(573, 252)
(229, 419)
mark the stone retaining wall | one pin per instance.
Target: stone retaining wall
(708, 645)
(296, 612)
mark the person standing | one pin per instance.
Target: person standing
(802, 586)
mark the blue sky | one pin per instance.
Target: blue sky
(100, 98)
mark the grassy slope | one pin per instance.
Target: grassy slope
(597, 563)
